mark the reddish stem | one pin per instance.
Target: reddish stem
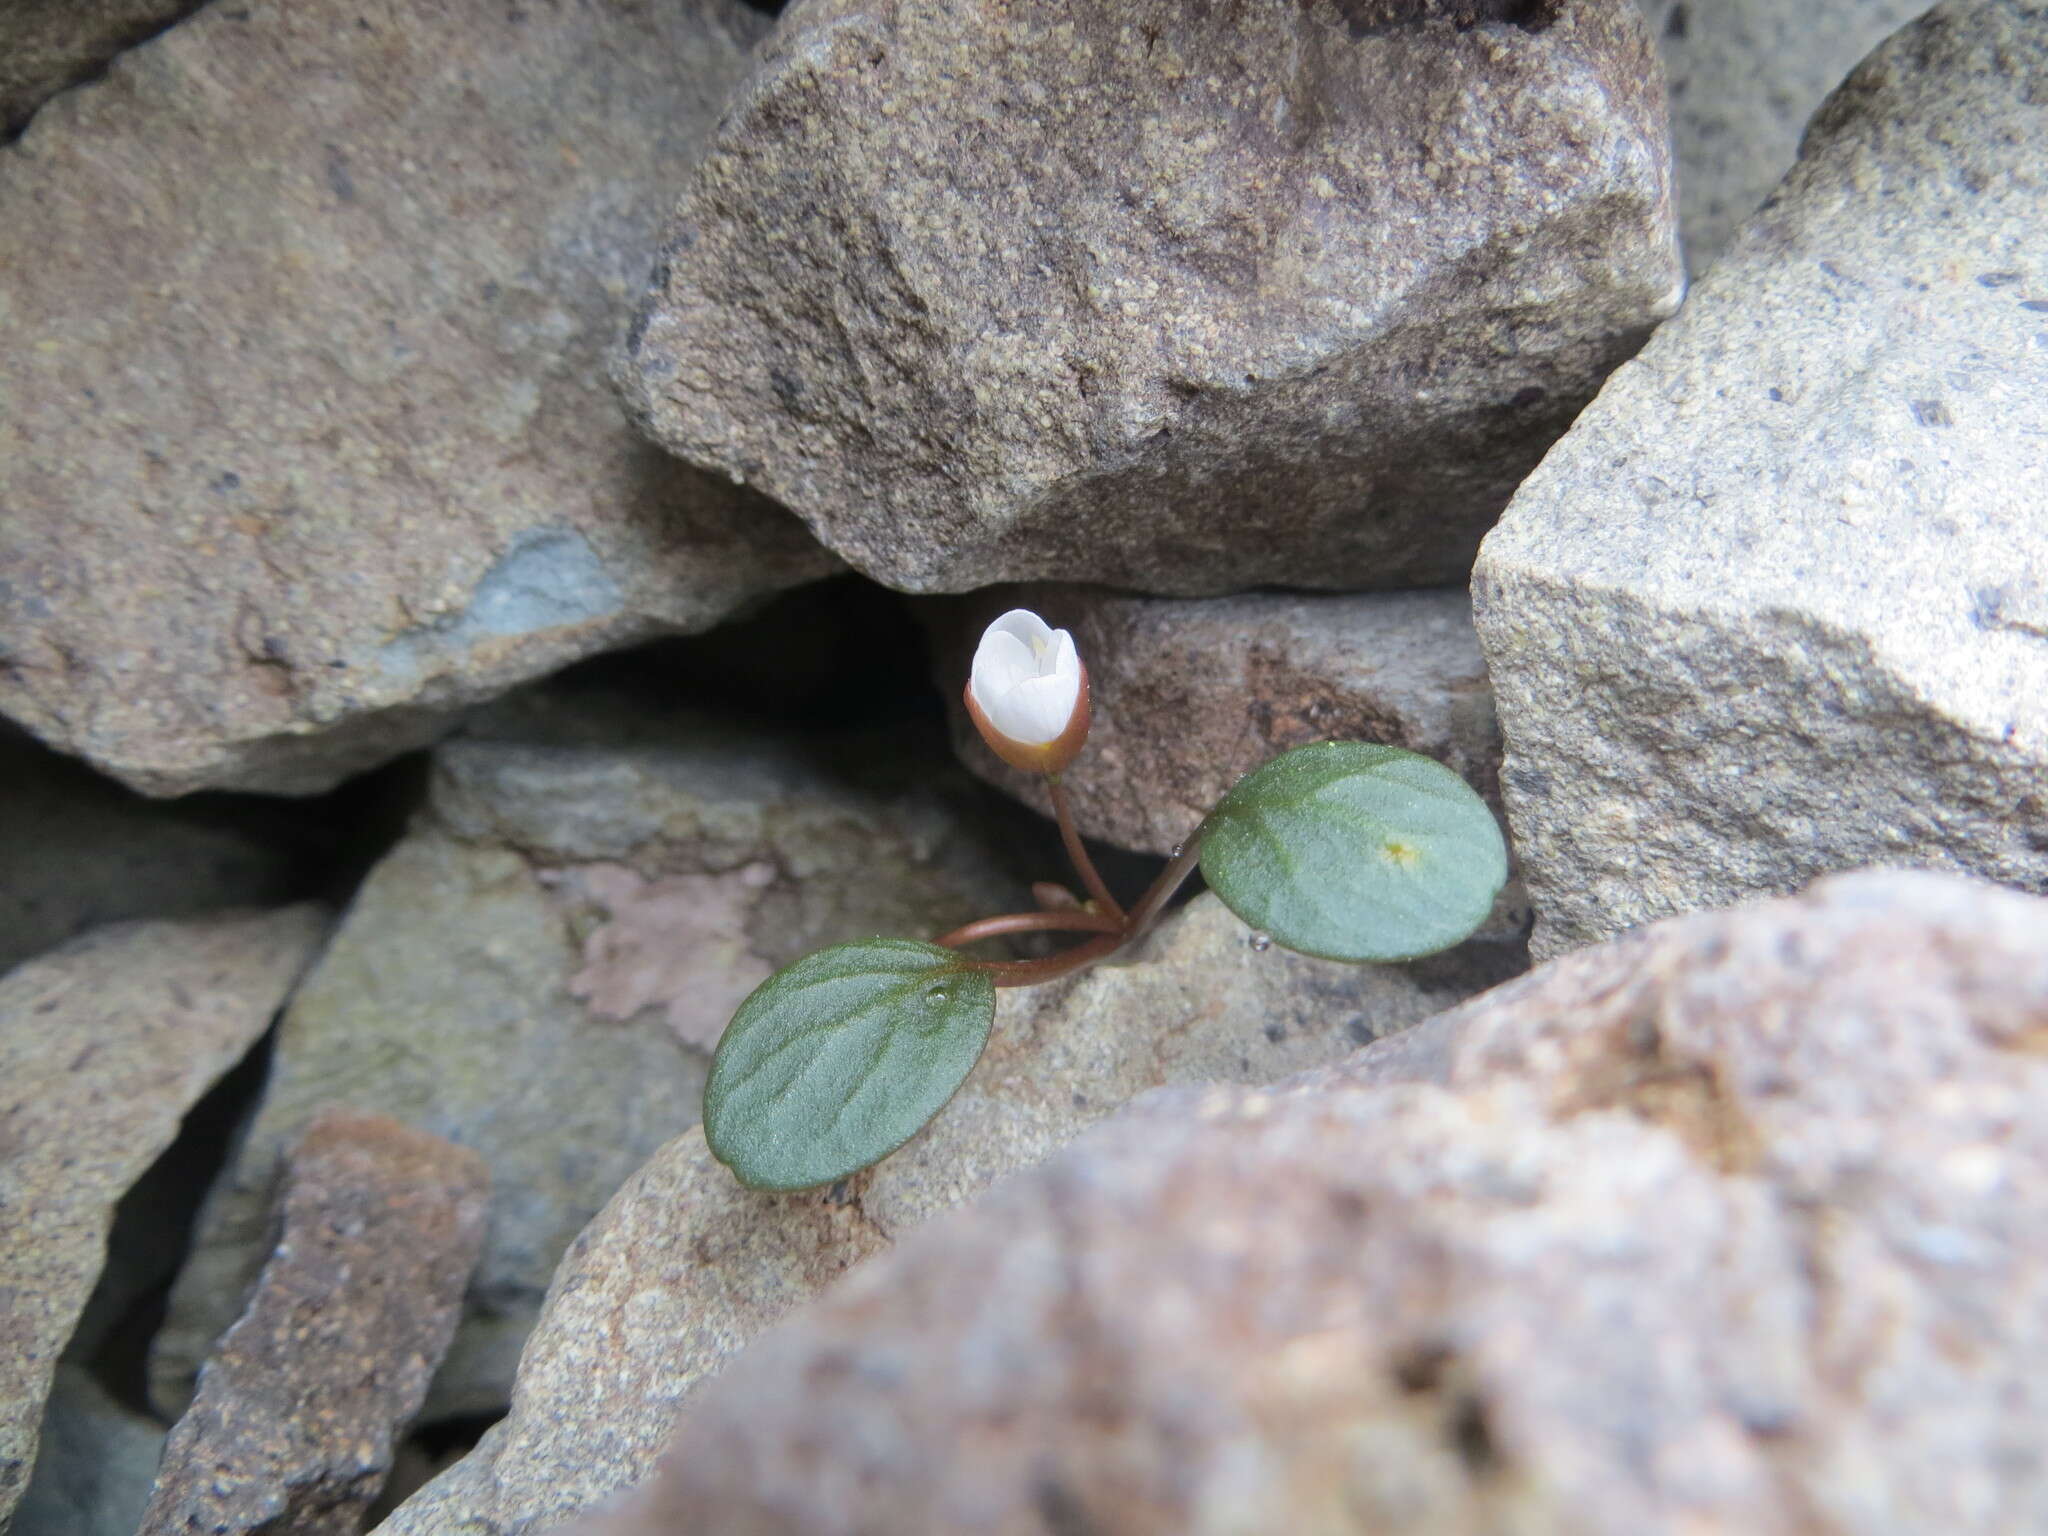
(1083, 865)
(1127, 930)
(1029, 973)
(1161, 890)
(1072, 921)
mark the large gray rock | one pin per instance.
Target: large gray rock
(1187, 695)
(684, 1266)
(104, 1044)
(1163, 295)
(304, 438)
(1737, 1226)
(1745, 76)
(1779, 602)
(301, 1403)
(46, 45)
(538, 972)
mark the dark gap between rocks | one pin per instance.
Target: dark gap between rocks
(1381, 18)
(152, 1234)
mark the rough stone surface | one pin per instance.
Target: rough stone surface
(77, 851)
(104, 1044)
(1736, 1225)
(538, 969)
(1745, 75)
(1172, 297)
(46, 45)
(684, 1266)
(94, 1463)
(1188, 695)
(1779, 603)
(300, 1403)
(306, 304)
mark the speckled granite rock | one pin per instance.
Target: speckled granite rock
(1161, 295)
(1745, 76)
(301, 1401)
(684, 1266)
(1777, 604)
(104, 1044)
(1189, 694)
(304, 438)
(1737, 1225)
(537, 971)
(46, 45)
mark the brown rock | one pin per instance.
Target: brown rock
(301, 1402)
(539, 968)
(1189, 695)
(1735, 1225)
(684, 1266)
(104, 1044)
(46, 45)
(304, 438)
(1174, 297)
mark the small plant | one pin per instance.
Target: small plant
(1343, 849)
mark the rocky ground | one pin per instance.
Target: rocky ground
(496, 506)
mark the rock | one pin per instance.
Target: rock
(336, 377)
(684, 1266)
(1777, 604)
(46, 45)
(1161, 296)
(302, 1401)
(77, 851)
(1745, 75)
(104, 1044)
(94, 1463)
(1187, 696)
(537, 971)
(1735, 1225)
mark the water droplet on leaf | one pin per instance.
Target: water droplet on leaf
(1262, 942)
(936, 996)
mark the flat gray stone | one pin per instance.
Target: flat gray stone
(104, 1045)
(1745, 75)
(684, 1267)
(540, 969)
(1778, 604)
(304, 435)
(301, 1403)
(1739, 1224)
(1178, 299)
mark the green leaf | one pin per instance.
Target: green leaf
(1355, 852)
(834, 1062)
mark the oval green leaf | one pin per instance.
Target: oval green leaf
(1353, 851)
(834, 1062)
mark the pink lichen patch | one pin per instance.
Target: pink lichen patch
(679, 943)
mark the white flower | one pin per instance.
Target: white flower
(1028, 692)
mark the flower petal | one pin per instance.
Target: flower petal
(1038, 709)
(1000, 663)
(1027, 626)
